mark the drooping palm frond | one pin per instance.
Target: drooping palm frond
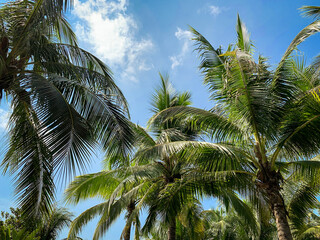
(208, 155)
(215, 123)
(301, 170)
(85, 217)
(67, 95)
(29, 153)
(311, 11)
(300, 133)
(53, 223)
(212, 64)
(308, 31)
(99, 184)
(302, 203)
(190, 221)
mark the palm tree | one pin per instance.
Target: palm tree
(169, 182)
(51, 224)
(63, 99)
(189, 224)
(16, 227)
(103, 185)
(302, 203)
(221, 224)
(110, 184)
(268, 117)
(163, 183)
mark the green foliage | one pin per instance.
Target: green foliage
(264, 123)
(15, 226)
(7, 233)
(64, 101)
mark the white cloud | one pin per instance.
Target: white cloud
(176, 61)
(214, 10)
(184, 36)
(4, 118)
(112, 34)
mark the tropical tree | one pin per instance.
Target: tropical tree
(103, 185)
(15, 226)
(166, 184)
(189, 224)
(53, 223)
(63, 100)
(271, 117)
(221, 225)
(301, 196)
(227, 224)
(110, 184)
(7, 233)
(172, 183)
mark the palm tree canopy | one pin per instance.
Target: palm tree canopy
(64, 100)
(268, 117)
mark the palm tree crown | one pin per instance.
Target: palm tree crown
(64, 100)
(257, 117)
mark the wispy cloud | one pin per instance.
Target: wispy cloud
(184, 36)
(4, 118)
(214, 10)
(111, 33)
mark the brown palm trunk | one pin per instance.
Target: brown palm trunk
(172, 231)
(127, 228)
(280, 214)
(269, 182)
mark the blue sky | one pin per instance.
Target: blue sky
(140, 38)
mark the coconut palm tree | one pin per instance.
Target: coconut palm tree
(302, 203)
(169, 182)
(103, 185)
(63, 99)
(106, 183)
(189, 224)
(163, 183)
(271, 117)
(15, 226)
(52, 224)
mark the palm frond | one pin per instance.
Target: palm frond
(91, 185)
(29, 153)
(310, 11)
(303, 201)
(78, 223)
(213, 122)
(243, 42)
(308, 31)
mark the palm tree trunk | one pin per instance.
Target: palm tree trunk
(279, 211)
(126, 232)
(270, 184)
(172, 230)
(280, 214)
(127, 228)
